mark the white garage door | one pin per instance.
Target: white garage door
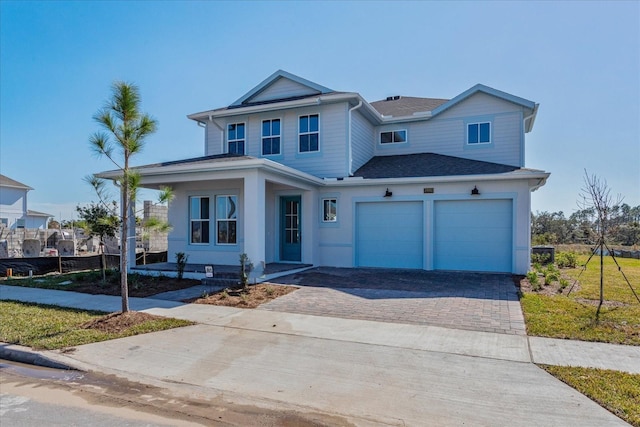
(389, 234)
(473, 235)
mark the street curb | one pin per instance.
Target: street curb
(25, 355)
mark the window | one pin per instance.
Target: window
(199, 218)
(270, 137)
(20, 223)
(226, 219)
(329, 210)
(308, 133)
(479, 133)
(235, 138)
(393, 137)
(4, 222)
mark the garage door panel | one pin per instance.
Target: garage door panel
(473, 235)
(389, 234)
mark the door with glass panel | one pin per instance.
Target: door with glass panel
(290, 238)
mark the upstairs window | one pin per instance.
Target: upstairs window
(479, 133)
(270, 137)
(199, 219)
(235, 138)
(393, 137)
(309, 133)
(226, 219)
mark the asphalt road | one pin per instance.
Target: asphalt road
(31, 395)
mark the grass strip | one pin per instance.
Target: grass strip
(562, 317)
(49, 327)
(618, 392)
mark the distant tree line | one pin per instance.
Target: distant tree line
(549, 228)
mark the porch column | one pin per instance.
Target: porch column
(254, 220)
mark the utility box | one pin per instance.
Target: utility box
(549, 251)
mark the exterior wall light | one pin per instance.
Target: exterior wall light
(388, 193)
(475, 191)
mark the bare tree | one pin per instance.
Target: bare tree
(596, 195)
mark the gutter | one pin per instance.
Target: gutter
(540, 175)
(350, 138)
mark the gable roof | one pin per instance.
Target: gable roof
(5, 181)
(406, 105)
(306, 87)
(427, 164)
(36, 213)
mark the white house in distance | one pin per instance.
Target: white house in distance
(295, 172)
(13, 207)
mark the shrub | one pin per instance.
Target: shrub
(566, 260)
(532, 276)
(540, 258)
(181, 263)
(563, 284)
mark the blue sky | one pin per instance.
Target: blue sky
(579, 60)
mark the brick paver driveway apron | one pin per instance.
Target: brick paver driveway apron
(475, 301)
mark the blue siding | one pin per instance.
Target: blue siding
(362, 140)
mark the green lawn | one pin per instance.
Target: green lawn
(571, 317)
(50, 327)
(619, 392)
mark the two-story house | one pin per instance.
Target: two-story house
(296, 172)
(13, 207)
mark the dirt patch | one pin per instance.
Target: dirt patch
(544, 288)
(251, 298)
(118, 322)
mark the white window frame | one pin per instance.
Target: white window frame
(192, 219)
(228, 220)
(279, 136)
(324, 209)
(479, 141)
(237, 140)
(301, 133)
(393, 133)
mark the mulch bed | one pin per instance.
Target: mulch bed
(251, 298)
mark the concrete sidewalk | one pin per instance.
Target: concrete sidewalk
(370, 373)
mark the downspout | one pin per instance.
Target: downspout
(349, 138)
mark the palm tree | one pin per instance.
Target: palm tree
(126, 129)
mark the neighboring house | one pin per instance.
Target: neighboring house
(296, 172)
(13, 206)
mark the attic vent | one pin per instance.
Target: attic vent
(393, 98)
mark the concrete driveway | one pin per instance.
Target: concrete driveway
(473, 301)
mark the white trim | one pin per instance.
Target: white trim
(322, 203)
(479, 141)
(392, 132)
(262, 137)
(191, 220)
(216, 219)
(308, 133)
(244, 140)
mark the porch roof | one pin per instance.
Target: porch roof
(212, 164)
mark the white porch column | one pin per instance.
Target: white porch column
(254, 220)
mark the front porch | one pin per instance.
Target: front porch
(271, 271)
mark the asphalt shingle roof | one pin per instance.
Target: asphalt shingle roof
(406, 105)
(427, 164)
(205, 159)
